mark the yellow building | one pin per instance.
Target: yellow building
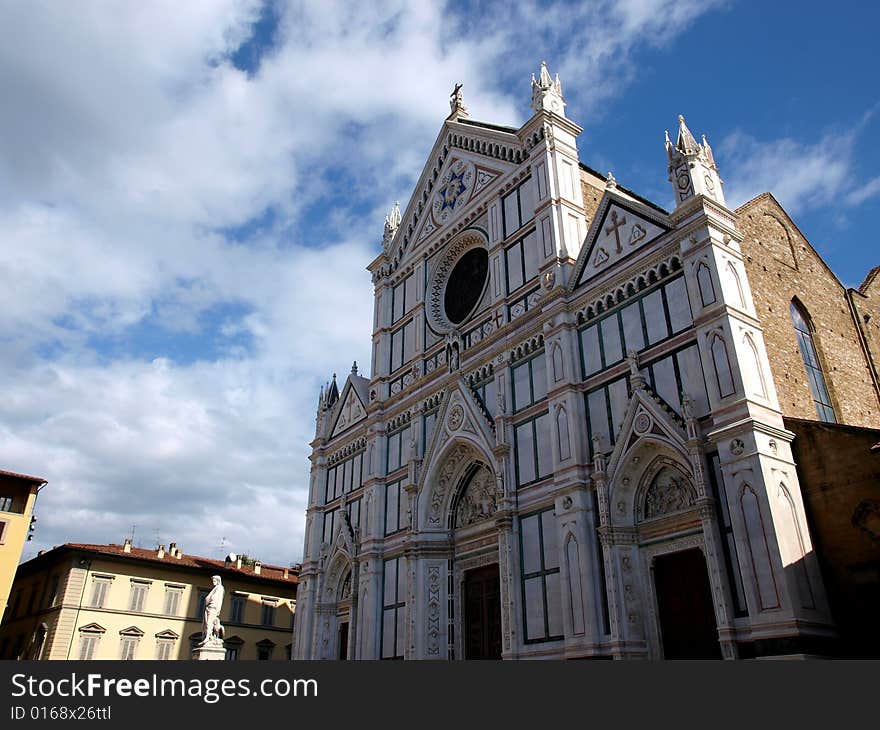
(18, 493)
(122, 602)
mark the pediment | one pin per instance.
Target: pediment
(467, 158)
(352, 411)
(621, 227)
(647, 417)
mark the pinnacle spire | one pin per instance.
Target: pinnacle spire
(686, 143)
(547, 92)
(392, 223)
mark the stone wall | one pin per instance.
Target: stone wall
(840, 479)
(781, 265)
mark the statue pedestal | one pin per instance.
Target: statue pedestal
(211, 651)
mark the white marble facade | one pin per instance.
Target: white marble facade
(570, 436)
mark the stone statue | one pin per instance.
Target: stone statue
(212, 629)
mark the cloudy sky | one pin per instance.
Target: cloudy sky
(189, 194)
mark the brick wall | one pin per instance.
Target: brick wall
(840, 480)
(781, 264)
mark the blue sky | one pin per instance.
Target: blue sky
(189, 194)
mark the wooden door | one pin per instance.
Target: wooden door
(684, 600)
(482, 613)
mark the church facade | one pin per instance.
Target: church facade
(571, 443)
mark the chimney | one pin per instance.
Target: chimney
(258, 566)
(172, 548)
(238, 562)
(41, 552)
(286, 573)
(126, 547)
(178, 554)
(160, 553)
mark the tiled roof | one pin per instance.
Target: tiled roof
(267, 572)
(26, 477)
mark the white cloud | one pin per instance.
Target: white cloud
(128, 142)
(801, 175)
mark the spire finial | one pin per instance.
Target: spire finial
(456, 102)
(610, 181)
(354, 368)
(392, 223)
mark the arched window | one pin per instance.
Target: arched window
(804, 333)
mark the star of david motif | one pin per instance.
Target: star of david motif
(450, 193)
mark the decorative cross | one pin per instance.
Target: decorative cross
(615, 228)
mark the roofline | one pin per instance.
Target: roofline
(68, 547)
(769, 196)
(26, 477)
(641, 199)
(487, 125)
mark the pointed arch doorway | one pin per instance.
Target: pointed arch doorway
(685, 610)
(475, 550)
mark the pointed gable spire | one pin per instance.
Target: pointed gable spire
(392, 223)
(686, 144)
(692, 169)
(332, 392)
(547, 92)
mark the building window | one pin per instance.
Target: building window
(529, 382)
(395, 508)
(354, 513)
(533, 448)
(264, 650)
(172, 599)
(652, 318)
(518, 207)
(398, 450)
(804, 333)
(88, 643)
(487, 393)
(403, 297)
(100, 587)
(137, 596)
(393, 608)
(3, 526)
(233, 649)
(236, 614)
(52, 594)
(5, 503)
(200, 604)
(541, 592)
(402, 346)
(164, 649)
(39, 642)
(522, 261)
(128, 643)
(268, 617)
(329, 520)
(344, 477)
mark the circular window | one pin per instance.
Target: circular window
(466, 284)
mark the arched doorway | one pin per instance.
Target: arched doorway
(670, 531)
(472, 525)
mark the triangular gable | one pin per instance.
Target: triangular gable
(461, 180)
(620, 228)
(466, 158)
(646, 417)
(458, 415)
(93, 628)
(352, 411)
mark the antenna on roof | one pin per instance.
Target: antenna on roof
(223, 543)
(131, 536)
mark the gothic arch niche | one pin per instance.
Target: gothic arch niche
(654, 497)
(459, 497)
(336, 608)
